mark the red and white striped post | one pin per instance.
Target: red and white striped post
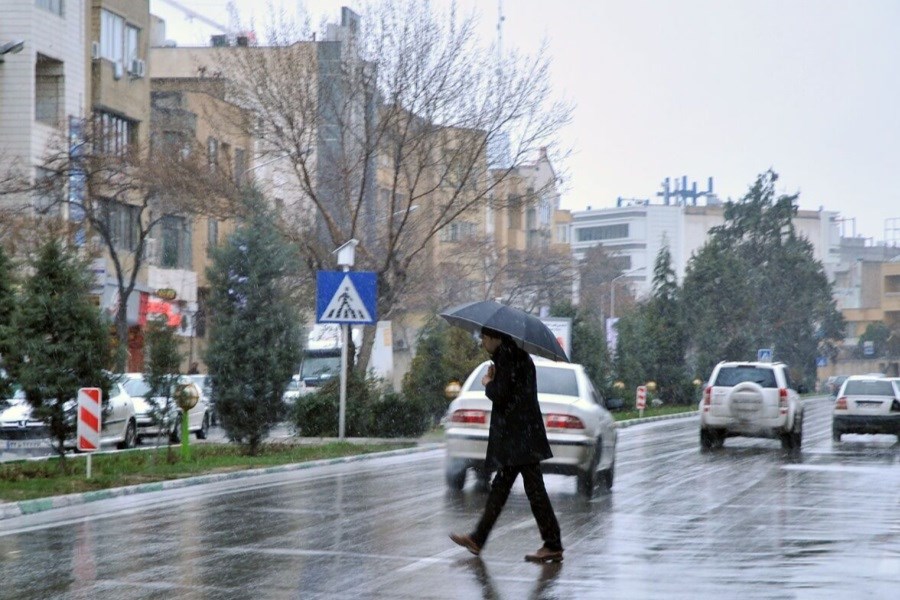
(89, 422)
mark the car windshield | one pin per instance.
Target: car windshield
(203, 381)
(731, 376)
(314, 366)
(877, 387)
(550, 380)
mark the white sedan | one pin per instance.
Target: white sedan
(581, 431)
(118, 422)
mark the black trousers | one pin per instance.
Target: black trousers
(537, 497)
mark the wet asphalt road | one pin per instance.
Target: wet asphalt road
(749, 521)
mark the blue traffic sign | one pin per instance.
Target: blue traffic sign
(346, 297)
(821, 361)
(764, 355)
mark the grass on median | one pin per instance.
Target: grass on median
(624, 415)
(26, 480)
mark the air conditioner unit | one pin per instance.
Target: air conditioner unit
(117, 70)
(95, 50)
(400, 344)
(138, 67)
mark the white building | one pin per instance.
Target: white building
(43, 78)
(635, 232)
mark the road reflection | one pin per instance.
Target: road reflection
(543, 587)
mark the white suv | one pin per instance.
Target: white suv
(751, 399)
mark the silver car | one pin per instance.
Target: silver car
(867, 404)
(581, 432)
(199, 417)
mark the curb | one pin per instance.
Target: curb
(10, 510)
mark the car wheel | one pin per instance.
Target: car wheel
(204, 428)
(130, 436)
(835, 435)
(587, 480)
(455, 474)
(175, 435)
(710, 439)
(484, 480)
(608, 475)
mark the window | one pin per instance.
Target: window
(562, 234)
(731, 376)
(49, 192)
(112, 36)
(132, 37)
(212, 233)
(550, 380)
(123, 223)
(48, 91)
(113, 134)
(602, 232)
(176, 243)
(458, 231)
(240, 165)
(54, 6)
(212, 153)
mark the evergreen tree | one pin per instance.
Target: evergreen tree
(443, 354)
(62, 341)
(667, 333)
(756, 284)
(162, 362)
(8, 303)
(254, 336)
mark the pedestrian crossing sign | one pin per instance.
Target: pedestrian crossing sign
(346, 297)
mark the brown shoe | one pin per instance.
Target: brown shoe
(545, 555)
(466, 542)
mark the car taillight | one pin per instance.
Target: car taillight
(707, 398)
(841, 403)
(563, 422)
(478, 417)
(783, 400)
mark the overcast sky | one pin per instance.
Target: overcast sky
(700, 88)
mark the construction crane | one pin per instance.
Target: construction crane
(230, 32)
(193, 14)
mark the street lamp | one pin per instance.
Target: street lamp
(612, 290)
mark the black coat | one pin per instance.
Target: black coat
(517, 435)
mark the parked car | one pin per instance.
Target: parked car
(867, 404)
(292, 392)
(204, 382)
(118, 421)
(581, 431)
(17, 422)
(751, 399)
(198, 417)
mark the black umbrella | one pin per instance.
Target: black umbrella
(528, 331)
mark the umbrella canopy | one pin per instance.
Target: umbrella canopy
(528, 331)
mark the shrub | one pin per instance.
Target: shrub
(392, 416)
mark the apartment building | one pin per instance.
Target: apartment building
(43, 80)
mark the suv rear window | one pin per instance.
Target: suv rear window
(731, 376)
(550, 380)
(869, 388)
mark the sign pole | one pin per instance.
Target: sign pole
(345, 335)
(89, 465)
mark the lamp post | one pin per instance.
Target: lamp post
(346, 257)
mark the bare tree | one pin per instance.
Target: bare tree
(386, 126)
(116, 196)
(596, 272)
